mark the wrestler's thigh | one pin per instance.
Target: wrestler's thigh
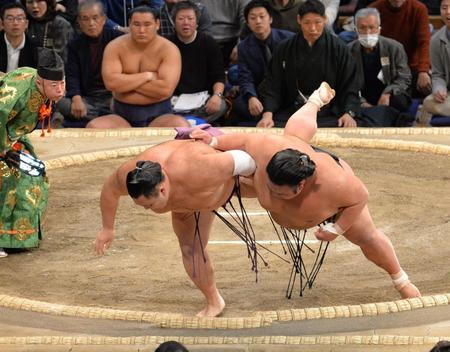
(185, 225)
(363, 229)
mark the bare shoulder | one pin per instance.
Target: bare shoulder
(166, 44)
(115, 48)
(166, 49)
(119, 43)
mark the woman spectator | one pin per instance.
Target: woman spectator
(46, 28)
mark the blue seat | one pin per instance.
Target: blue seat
(414, 106)
(438, 120)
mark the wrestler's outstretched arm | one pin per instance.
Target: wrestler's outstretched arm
(109, 201)
(228, 141)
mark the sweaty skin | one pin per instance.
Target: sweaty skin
(186, 188)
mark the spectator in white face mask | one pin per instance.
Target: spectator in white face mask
(383, 65)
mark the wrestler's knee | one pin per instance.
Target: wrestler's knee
(363, 237)
(180, 121)
(186, 250)
(93, 124)
(108, 121)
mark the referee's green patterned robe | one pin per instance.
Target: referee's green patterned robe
(23, 198)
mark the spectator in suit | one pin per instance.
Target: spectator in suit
(16, 49)
(254, 55)
(383, 67)
(167, 22)
(438, 103)
(87, 97)
(202, 66)
(406, 21)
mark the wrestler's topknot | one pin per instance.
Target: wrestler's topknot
(142, 181)
(290, 167)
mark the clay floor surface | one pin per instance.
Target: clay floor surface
(143, 270)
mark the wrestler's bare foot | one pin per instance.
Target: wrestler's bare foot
(212, 310)
(323, 95)
(409, 291)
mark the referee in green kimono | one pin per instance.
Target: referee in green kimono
(26, 97)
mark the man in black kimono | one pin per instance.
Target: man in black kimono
(301, 63)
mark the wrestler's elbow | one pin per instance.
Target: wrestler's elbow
(113, 85)
(110, 84)
(166, 91)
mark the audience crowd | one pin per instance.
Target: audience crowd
(135, 63)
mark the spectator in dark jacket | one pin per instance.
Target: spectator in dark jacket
(202, 66)
(87, 97)
(254, 55)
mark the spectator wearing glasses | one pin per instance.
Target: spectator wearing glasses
(16, 49)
